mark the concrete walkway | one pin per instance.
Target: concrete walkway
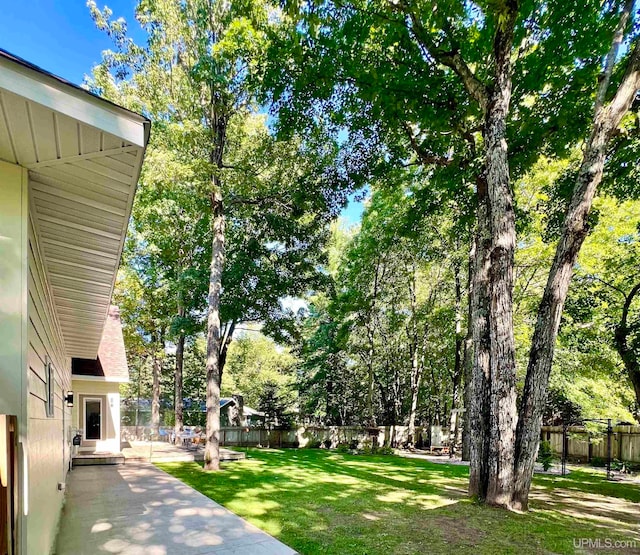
(137, 509)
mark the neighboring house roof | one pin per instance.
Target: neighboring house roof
(248, 411)
(224, 401)
(84, 155)
(111, 363)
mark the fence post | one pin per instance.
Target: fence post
(620, 435)
(564, 448)
(609, 431)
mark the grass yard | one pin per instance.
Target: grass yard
(321, 502)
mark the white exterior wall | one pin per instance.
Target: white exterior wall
(48, 437)
(13, 309)
(111, 412)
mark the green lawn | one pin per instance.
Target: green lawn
(320, 502)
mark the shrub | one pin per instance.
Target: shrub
(598, 462)
(343, 448)
(546, 455)
(366, 448)
(629, 467)
(314, 444)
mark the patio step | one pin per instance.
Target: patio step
(89, 459)
(229, 455)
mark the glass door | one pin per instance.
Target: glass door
(93, 419)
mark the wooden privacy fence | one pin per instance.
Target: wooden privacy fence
(301, 436)
(583, 445)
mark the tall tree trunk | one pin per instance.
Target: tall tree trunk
(416, 380)
(502, 422)
(468, 358)
(155, 394)
(479, 389)
(454, 420)
(140, 368)
(416, 366)
(454, 417)
(212, 447)
(217, 121)
(492, 426)
(178, 404)
(371, 416)
(574, 230)
(224, 346)
(627, 352)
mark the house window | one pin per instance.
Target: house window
(92, 418)
(50, 388)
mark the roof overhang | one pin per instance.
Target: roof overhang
(84, 156)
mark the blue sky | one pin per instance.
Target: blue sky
(353, 212)
(60, 37)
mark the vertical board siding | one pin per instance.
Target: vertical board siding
(47, 436)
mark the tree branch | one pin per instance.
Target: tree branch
(425, 157)
(614, 287)
(268, 199)
(605, 77)
(449, 58)
(627, 305)
(627, 90)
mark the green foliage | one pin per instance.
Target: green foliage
(373, 73)
(392, 297)
(546, 456)
(357, 101)
(588, 379)
(253, 362)
(598, 462)
(275, 405)
(367, 448)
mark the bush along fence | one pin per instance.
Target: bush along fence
(304, 436)
(582, 445)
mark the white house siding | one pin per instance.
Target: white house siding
(110, 391)
(48, 437)
(13, 308)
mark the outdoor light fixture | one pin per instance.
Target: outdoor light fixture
(69, 398)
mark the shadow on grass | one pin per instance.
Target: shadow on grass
(591, 482)
(324, 502)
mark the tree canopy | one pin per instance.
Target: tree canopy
(494, 272)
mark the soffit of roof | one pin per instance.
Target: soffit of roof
(84, 157)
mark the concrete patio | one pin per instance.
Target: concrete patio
(137, 509)
(162, 451)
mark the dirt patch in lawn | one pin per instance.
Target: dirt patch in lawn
(456, 531)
